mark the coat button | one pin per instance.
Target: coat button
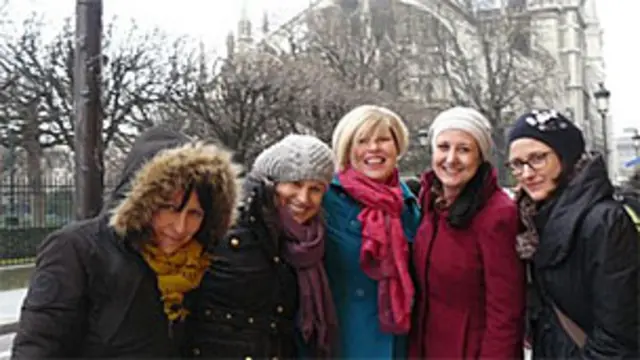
(353, 223)
(276, 259)
(196, 351)
(228, 316)
(250, 320)
(279, 309)
(273, 325)
(248, 358)
(252, 219)
(274, 358)
(359, 292)
(235, 242)
(207, 312)
(342, 195)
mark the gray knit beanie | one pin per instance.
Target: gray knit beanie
(296, 158)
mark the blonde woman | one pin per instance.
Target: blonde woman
(371, 218)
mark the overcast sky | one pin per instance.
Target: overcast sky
(212, 20)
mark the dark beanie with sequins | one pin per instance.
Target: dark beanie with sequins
(553, 129)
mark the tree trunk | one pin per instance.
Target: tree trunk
(38, 195)
(500, 155)
(31, 144)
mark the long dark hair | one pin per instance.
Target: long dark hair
(204, 193)
(471, 199)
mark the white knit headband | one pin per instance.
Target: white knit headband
(468, 120)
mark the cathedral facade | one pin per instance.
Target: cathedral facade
(569, 30)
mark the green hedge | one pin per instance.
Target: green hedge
(19, 244)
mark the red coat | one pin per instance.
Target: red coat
(471, 297)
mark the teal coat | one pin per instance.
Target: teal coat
(354, 293)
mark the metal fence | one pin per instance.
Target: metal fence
(28, 214)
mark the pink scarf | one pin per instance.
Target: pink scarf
(384, 254)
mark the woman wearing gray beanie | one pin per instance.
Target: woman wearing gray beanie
(581, 247)
(470, 282)
(267, 288)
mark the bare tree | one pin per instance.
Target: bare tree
(244, 101)
(498, 65)
(4, 15)
(134, 75)
(361, 56)
(358, 45)
(331, 98)
(36, 95)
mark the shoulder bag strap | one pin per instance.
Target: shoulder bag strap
(572, 329)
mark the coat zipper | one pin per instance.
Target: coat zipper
(436, 222)
(170, 329)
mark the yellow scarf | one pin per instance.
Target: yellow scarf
(177, 274)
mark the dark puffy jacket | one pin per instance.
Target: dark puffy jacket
(92, 294)
(587, 263)
(246, 305)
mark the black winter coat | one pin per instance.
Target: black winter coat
(587, 263)
(92, 295)
(246, 305)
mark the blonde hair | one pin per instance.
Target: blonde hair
(364, 120)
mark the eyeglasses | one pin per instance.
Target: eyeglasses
(536, 162)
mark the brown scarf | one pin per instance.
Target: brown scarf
(304, 250)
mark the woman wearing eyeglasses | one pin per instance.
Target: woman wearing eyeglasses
(581, 245)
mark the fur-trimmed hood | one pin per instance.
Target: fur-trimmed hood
(162, 161)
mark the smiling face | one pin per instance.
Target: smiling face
(456, 158)
(303, 199)
(176, 223)
(374, 152)
(535, 166)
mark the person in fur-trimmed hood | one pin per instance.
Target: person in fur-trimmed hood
(113, 286)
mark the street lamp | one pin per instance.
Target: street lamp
(571, 114)
(636, 142)
(423, 137)
(602, 96)
(425, 158)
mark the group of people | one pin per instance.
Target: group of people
(324, 252)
